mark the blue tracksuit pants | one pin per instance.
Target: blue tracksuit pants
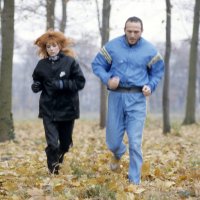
(126, 112)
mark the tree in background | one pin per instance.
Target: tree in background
(64, 16)
(7, 32)
(0, 15)
(192, 77)
(50, 15)
(50, 8)
(104, 31)
(166, 108)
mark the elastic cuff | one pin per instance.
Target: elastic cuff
(150, 87)
(106, 79)
(61, 84)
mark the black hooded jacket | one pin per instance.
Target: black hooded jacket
(59, 104)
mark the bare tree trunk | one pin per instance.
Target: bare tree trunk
(105, 32)
(6, 120)
(0, 8)
(191, 90)
(50, 7)
(98, 17)
(166, 107)
(0, 32)
(64, 16)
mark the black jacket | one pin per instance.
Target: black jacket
(59, 104)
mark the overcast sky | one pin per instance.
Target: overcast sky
(152, 12)
(82, 18)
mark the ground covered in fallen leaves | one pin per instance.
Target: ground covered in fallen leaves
(171, 167)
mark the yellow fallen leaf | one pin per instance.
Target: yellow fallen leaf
(101, 179)
(92, 181)
(182, 178)
(8, 173)
(137, 189)
(130, 196)
(168, 184)
(35, 192)
(158, 173)
(59, 188)
(75, 184)
(196, 188)
(10, 186)
(123, 195)
(163, 185)
(15, 197)
(113, 186)
(130, 188)
(50, 198)
(146, 169)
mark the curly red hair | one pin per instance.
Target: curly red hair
(52, 37)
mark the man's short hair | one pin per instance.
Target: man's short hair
(134, 19)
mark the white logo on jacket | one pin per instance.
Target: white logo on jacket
(62, 74)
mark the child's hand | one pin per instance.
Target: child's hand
(36, 86)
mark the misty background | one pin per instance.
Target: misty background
(82, 26)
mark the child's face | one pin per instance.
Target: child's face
(52, 49)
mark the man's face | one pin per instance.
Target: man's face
(133, 32)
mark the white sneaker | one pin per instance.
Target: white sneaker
(115, 164)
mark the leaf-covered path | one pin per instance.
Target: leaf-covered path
(171, 167)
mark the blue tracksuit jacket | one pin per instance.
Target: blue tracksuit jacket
(138, 65)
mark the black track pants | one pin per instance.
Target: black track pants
(59, 139)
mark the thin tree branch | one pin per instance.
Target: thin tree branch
(98, 17)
